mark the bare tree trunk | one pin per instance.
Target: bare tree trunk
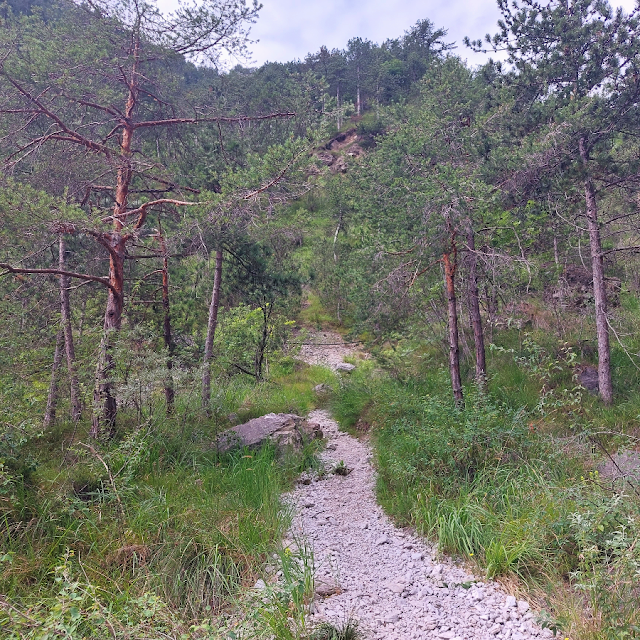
(65, 312)
(211, 331)
(474, 309)
(52, 398)
(491, 299)
(449, 261)
(264, 338)
(605, 386)
(358, 92)
(104, 402)
(169, 391)
(83, 313)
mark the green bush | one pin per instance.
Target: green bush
(607, 538)
(448, 444)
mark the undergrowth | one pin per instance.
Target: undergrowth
(153, 533)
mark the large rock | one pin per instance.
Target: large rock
(283, 429)
(588, 378)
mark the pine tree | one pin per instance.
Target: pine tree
(578, 62)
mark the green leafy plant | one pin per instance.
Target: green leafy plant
(607, 535)
(81, 609)
(281, 607)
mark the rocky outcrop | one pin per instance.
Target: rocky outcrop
(342, 146)
(283, 429)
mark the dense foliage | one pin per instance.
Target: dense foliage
(170, 231)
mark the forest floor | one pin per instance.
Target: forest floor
(393, 583)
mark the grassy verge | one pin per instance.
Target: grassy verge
(152, 534)
(508, 482)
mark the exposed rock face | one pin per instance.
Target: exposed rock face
(334, 154)
(283, 429)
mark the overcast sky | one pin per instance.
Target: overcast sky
(289, 29)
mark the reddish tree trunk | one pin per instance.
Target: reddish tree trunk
(474, 309)
(211, 331)
(449, 261)
(65, 312)
(605, 386)
(104, 402)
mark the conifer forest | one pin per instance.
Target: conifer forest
(177, 227)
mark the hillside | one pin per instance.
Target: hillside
(179, 247)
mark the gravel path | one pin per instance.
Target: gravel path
(325, 348)
(389, 580)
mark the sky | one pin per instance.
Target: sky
(289, 29)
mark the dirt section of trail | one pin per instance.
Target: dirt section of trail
(389, 580)
(327, 348)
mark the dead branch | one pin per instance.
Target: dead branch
(72, 136)
(219, 119)
(273, 182)
(402, 253)
(142, 209)
(59, 272)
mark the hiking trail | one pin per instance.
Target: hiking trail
(390, 580)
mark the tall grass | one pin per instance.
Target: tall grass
(153, 531)
(499, 483)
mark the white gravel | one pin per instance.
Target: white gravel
(390, 580)
(325, 348)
